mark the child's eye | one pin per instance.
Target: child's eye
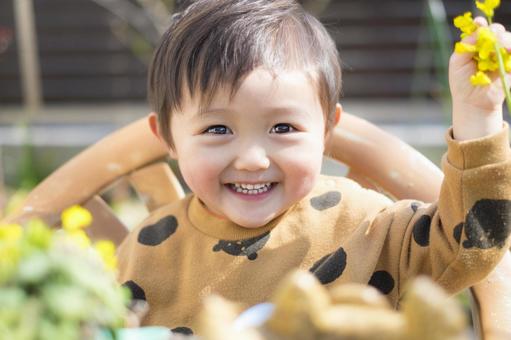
(218, 130)
(282, 128)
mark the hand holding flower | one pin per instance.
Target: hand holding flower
(477, 91)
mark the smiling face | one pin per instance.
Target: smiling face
(251, 157)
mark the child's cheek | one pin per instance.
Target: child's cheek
(302, 171)
(201, 173)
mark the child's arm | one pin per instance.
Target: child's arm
(477, 110)
(459, 240)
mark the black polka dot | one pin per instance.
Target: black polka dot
(488, 224)
(155, 234)
(137, 293)
(457, 232)
(415, 206)
(421, 230)
(327, 200)
(382, 281)
(182, 330)
(248, 247)
(330, 267)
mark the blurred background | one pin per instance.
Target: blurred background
(72, 71)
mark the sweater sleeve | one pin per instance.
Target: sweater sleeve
(461, 238)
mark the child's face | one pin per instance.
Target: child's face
(251, 158)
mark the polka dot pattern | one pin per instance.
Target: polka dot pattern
(182, 330)
(137, 293)
(155, 234)
(415, 206)
(325, 201)
(330, 267)
(421, 230)
(488, 224)
(383, 281)
(248, 247)
(458, 230)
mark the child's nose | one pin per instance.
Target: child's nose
(252, 159)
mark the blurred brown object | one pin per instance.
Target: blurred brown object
(5, 38)
(304, 310)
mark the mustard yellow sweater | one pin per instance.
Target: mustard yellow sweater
(340, 232)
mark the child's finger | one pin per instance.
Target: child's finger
(497, 28)
(505, 40)
(480, 21)
(459, 59)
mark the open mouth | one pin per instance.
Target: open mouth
(251, 189)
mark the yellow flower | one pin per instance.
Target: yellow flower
(480, 78)
(10, 254)
(487, 65)
(466, 24)
(506, 58)
(10, 251)
(488, 6)
(75, 217)
(106, 251)
(485, 42)
(80, 238)
(38, 233)
(462, 47)
(10, 232)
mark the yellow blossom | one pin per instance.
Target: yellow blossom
(488, 7)
(80, 238)
(506, 58)
(466, 24)
(10, 254)
(480, 78)
(10, 232)
(106, 251)
(487, 65)
(75, 218)
(485, 42)
(462, 47)
(38, 233)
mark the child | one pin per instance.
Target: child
(245, 98)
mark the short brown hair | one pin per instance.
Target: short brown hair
(219, 42)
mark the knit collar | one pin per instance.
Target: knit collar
(221, 228)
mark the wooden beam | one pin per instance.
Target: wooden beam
(28, 55)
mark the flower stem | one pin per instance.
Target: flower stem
(503, 72)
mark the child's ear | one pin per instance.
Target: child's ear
(152, 119)
(338, 112)
(337, 118)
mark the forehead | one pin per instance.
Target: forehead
(263, 89)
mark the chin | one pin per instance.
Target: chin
(256, 221)
(252, 223)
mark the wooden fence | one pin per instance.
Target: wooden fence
(385, 48)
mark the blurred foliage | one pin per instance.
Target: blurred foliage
(54, 284)
(435, 44)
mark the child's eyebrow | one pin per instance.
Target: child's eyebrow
(280, 110)
(210, 111)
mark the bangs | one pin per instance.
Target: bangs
(217, 44)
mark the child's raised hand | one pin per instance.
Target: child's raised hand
(477, 110)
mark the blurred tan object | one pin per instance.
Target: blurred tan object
(28, 54)
(375, 159)
(218, 316)
(305, 310)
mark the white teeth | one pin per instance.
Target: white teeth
(251, 189)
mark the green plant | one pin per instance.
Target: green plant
(55, 284)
